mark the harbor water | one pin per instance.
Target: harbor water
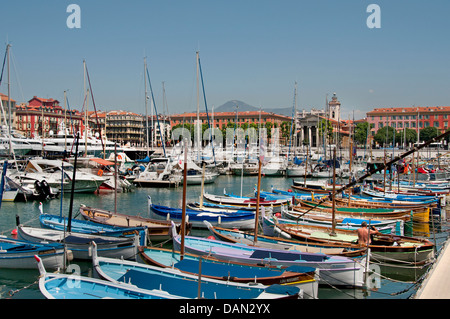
(391, 282)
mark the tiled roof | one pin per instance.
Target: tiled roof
(5, 97)
(415, 109)
(230, 114)
(43, 100)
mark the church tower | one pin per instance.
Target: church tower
(334, 108)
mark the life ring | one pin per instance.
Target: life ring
(100, 172)
(119, 157)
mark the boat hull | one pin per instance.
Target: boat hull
(240, 220)
(20, 255)
(236, 272)
(157, 230)
(80, 244)
(338, 271)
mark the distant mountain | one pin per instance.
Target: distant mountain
(230, 106)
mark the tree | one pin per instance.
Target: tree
(428, 133)
(285, 130)
(386, 136)
(325, 129)
(410, 135)
(361, 132)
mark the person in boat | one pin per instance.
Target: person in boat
(364, 234)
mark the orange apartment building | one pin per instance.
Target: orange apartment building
(222, 118)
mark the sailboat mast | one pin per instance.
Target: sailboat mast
(9, 99)
(258, 192)
(65, 121)
(333, 219)
(198, 109)
(146, 112)
(86, 109)
(294, 111)
(183, 216)
(69, 219)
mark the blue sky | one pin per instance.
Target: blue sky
(250, 50)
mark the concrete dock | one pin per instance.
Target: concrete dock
(437, 283)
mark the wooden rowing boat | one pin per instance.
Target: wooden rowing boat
(421, 214)
(248, 238)
(384, 248)
(301, 277)
(157, 230)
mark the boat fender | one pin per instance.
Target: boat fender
(282, 233)
(211, 237)
(228, 278)
(69, 255)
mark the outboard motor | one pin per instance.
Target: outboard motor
(38, 188)
(46, 191)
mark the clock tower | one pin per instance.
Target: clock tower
(334, 108)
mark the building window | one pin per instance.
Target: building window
(436, 124)
(380, 125)
(420, 124)
(400, 125)
(393, 117)
(406, 117)
(413, 117)
(406, 124)
(445, 116)
(413, 124)
(446, 124)
(427, 124)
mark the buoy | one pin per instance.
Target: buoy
(211, 237)
(14, 232)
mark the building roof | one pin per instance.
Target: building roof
(415, 109)
(5, 97)
(231, 114)
(43, 100)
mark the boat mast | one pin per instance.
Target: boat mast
(207, 113)
(65, 121)
(258, 192)
(183, 216)
(197, 137)
(294, 111)
(69, 220)
(8, 46)
(333, 219)
(146, 98)
(156, 111)
(86, 110)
